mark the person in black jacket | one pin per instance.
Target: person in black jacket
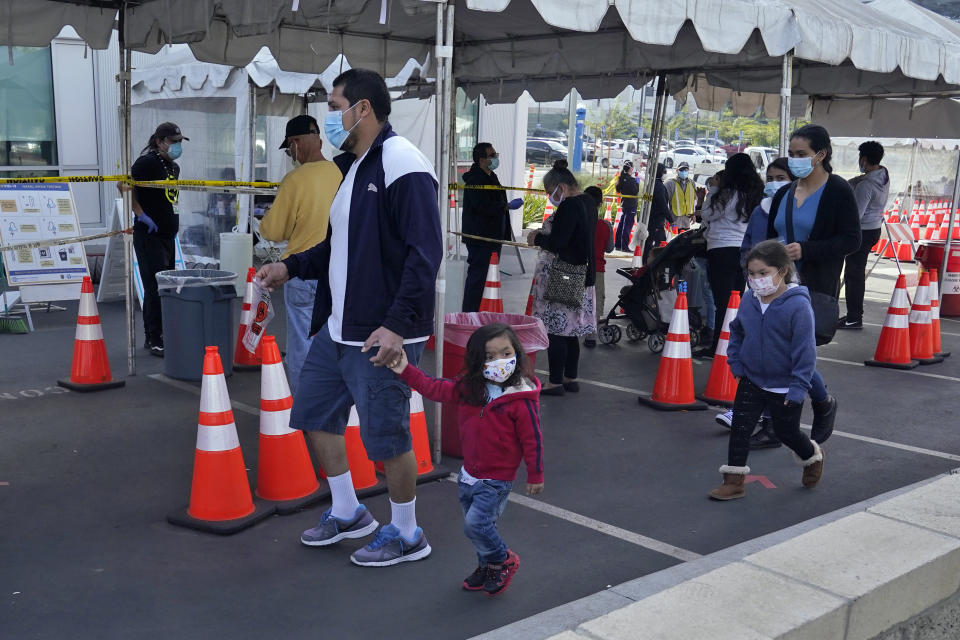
(485, 214)
(157, 223)
(569, 236)
(660, 214)
(826, 228)
(626, 186)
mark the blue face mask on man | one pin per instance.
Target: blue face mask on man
(175, 151)
(683, 174)
(333, 127)
(494, 163)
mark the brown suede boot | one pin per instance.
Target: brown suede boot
(732, 487)
(813, 467)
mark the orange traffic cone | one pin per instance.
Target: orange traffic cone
(220, 500)
(722, 386)
(285, 473)
(921, 327)
(418, 431)
(529, 310)
(934, 291)
(492, 300)
(362, 471)
(893, 348)
(637, 258)
(91, 368)
(673, 390)
(243, 360)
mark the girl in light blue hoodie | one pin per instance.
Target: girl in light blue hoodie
(772, 352)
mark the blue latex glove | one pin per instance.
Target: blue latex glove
(516, 203)
(148, 221)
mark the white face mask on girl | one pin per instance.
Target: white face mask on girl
(499, 370)
(764, 286)
(553, 197)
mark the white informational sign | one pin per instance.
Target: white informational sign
(35, 213)
(111, 278)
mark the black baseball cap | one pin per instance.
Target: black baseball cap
(169, 130)
(683, 165)
(298, 126)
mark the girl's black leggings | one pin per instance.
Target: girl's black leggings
(563, 354)
(748, 406)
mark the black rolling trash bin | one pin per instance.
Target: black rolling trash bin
(197, 307)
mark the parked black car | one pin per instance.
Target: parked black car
(545, 151)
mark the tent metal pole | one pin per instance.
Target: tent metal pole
(952, 214)
(656, 134)
(786, 94)
(252, 155)
(444, 86)
(125, 99)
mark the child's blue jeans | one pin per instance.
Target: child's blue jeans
(482, 505)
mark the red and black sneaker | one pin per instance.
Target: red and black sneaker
(474, 581)
(500, 575)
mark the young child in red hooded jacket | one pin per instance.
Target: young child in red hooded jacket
(498, 408)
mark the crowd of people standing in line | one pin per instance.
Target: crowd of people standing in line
(360, 296)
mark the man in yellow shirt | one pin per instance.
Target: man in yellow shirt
(301, 215)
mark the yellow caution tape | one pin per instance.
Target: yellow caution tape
(51, 243)
(493, 187)
(165, 184)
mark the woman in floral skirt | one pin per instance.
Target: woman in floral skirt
(568, 235)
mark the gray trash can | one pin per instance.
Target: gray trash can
(197, 307)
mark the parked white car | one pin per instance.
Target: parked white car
(690, 155)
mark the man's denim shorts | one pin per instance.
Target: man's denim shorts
(336, 376)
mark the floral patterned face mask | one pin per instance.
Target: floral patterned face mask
(499, 370)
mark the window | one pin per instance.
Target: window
(468, 117)
(28, 133)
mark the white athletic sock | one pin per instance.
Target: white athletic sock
(404, 517)
(344, 497)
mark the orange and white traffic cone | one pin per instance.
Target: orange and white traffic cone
(893, 348)
(243, 360)
(934, 291)
(419, 435)
(91, 367)
(285, 473)
(637, 258)
(418, 431)
(362, 472)
(921, 326)
(673, 390)
(220, 499)
(492, 299)
(529, 310)
(722, 386)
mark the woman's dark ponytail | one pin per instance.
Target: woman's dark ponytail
(558, 175)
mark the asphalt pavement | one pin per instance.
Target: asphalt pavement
(86, 481)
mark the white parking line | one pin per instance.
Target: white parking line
(842, 434)
(942, 332)
(911, 372)
(185, 386)
(600, 527)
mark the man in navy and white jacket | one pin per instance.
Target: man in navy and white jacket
(376, 274)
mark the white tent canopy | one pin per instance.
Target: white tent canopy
(546, 47)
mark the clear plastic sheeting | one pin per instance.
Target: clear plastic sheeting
(458, 327)
(934, 164)
(180, 278)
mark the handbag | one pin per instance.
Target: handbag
(826, 308)
(566, 283)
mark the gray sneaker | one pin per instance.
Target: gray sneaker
(389, 547)
(330, 530)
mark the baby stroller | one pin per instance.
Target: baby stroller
(647, 302)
